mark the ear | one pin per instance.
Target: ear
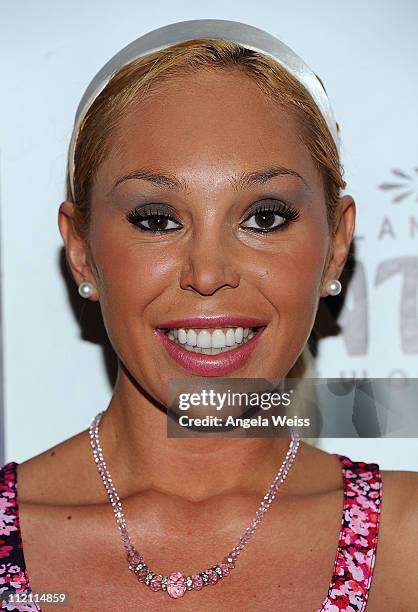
(76, 250)
(340, 245)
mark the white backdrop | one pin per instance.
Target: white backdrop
(366, 53)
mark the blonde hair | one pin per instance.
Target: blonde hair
(136, 81)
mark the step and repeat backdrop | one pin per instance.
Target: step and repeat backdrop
(57, 370)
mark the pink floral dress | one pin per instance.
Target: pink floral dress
(354, 562)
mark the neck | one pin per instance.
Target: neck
(133, 432)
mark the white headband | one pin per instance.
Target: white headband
(246, 35)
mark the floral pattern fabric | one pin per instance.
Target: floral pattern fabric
(354, 562)
(356, 554)
(13, 575)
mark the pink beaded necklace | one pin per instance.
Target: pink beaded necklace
(176, 584)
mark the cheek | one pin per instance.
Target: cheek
(289, 273)
(295, 278)
(131, 271)
(291, 282)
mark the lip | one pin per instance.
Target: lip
(210, 365)
(209, 322)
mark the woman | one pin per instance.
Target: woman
(204, 197)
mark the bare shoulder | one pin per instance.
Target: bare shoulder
(399, 516)
(47, 477)
(400, 493)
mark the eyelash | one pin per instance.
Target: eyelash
(140, 215)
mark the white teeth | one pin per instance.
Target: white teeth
(191, 337)
(218, 339)
(204, 339)
(210, 342)
(230, 337)
(239, 334)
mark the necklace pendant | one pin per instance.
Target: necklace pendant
(176, 585)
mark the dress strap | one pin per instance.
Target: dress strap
(13, 574)
(356, 553)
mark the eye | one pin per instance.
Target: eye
(153, 218)
(270, 216)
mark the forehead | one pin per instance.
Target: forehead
(208, 124)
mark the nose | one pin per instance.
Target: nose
(208, 265)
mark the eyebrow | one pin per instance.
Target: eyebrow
(242, 182)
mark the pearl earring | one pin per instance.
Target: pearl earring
(333, 287)
(85, 289)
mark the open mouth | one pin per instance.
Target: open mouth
(211, 341)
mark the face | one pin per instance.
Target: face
(209, 206)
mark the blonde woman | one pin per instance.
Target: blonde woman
(204, 213)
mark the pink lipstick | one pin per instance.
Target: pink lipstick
(220, 364)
